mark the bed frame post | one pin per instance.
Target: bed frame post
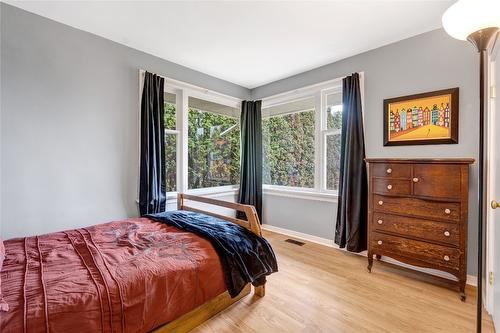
(260, 290)
(253, 220)
(180, 201)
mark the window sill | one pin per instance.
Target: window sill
(307, 194)
(211, 192)
(222, 191)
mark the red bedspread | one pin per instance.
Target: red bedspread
(124, 276)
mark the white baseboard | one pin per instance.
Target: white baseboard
(471, 279)
(307, 237)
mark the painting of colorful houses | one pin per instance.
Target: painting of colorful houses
(420, 119)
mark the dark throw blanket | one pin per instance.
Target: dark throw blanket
(245, 257)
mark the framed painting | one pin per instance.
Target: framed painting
(422, 119)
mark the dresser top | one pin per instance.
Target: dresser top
(422, 160)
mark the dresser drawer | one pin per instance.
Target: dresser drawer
(391, 170)
(413, 227)
(431, 253)
(440, 181)
(391, 186)
(445, 211)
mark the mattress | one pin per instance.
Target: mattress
(124, 276)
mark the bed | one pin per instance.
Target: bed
(135, 275)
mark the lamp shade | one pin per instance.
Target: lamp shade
(467, 16)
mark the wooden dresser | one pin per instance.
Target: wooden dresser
(417, 213)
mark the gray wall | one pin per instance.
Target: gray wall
(69, 124)
(308, 216)
(427, 62)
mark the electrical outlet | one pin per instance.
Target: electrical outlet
(490, 278)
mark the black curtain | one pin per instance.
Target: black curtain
(152, 194)
(251, 156)
(351, 229)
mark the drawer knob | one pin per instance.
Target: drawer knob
(379, 242)
(389, 187)
(447, 211)
(446, 258)
(415, 180)
(389, 171)
(380, 203)
(380, 221)
(447, 233)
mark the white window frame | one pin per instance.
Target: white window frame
(182, 92)
(177, 133)
(324, 133)
(319, 92)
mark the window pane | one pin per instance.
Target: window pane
(213, 145)
(334, 117)
(171, 162)
(288, 149)
(334, 111)
(170, 108)
(332, 161)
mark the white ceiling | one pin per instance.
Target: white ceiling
(248, 43)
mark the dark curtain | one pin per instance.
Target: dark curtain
(152, 194)
(351, 229)
(251, 156)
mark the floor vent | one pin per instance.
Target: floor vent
(295, 242)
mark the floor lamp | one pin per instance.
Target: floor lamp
(477, 21)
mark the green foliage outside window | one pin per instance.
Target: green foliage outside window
(214, 149)
(334, 121)
(288, 149)
(170, 148)
(334, 118)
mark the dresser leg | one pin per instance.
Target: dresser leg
(378, 256)
(462, 290)
(370, 262)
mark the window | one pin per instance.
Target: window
(288, 134)
(301, 132)
(170, 118)
(202, 139)
(213, 144)
(332, 133)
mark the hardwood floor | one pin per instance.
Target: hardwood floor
(321, 289)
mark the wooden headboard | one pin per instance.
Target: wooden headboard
(252, 223)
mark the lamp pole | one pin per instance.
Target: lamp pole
(477, 21)
(481, 40)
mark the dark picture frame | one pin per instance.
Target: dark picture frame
(442, 123)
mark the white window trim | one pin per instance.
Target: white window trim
(319, 92)
(216, 191)
(300, 193)
(300, 93)
(183, 91)
(226, 189)
(324, 133)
